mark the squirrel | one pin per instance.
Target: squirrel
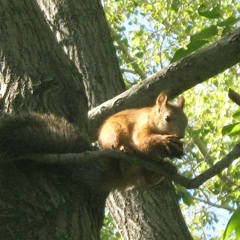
(153, 131)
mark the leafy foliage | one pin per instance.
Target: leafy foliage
(185, 195)
(109, 231)
(148, 35)
(234, 128)
(233, 224)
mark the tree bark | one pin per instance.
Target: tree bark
(36, 74)
(40, 201)
(143, 213)
(81, 29)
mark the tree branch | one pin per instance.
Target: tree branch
(129, 59)
(213, 204)
(175, 79)
(234, 96)
(214, 170)
(156, 167)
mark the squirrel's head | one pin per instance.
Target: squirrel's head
(169, 118)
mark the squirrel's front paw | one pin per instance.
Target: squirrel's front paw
(174, 146)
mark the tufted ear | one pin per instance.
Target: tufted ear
(162, 101)
(181, 102)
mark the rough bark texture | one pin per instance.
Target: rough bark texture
(40, 201)
(81, 28)
(36, 74)
(147, 210)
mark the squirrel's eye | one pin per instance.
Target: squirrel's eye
(168, 119)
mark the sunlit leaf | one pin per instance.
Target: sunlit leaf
(231, 129)
(185, 196)
(236, 115)
(191, 47)
(175, 5)
(226, 30)
(139, 54)
(180, 53)
(205, 33)
(233, 224)
(187, 199)
(214, 13)
(230, 21)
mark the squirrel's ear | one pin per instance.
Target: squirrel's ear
(162, 100)
(181, 102)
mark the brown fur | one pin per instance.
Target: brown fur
(154, 131)
(147, 130)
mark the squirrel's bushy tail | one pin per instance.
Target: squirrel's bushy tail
(33, 133)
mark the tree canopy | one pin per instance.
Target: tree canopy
(149, 35)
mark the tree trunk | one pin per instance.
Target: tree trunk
(37, 202)
(143, 213)
(36, 74)
(40, 201)
(81, 28)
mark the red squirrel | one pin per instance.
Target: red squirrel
(155, 131)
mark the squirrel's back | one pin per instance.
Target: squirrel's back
(118, 129)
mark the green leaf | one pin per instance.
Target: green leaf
(226, 30)
(195, 45)
(185, 196)
(231, 129)
(180, 53)
(233, 224)
(139, 54)
(214, 13)
(175, 5)
(236, 115)
(205, 33)
(125, 42)
(191, 47)
(229, 21)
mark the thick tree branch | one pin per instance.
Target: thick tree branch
(175, 79)
(93, 156)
